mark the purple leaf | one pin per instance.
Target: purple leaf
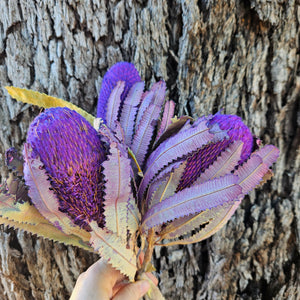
(165, 186)
(167, 117)
(179, 146)
(144, 133)
(155, 96)
(129, 110)
(122, 71)
(212, 220)
(269, 154)
(192, 200)
(224, 164)
(158, 179)
(181, 124)
(113, 104)
(145, 102)
(251, 173)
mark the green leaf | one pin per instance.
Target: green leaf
(43, 100)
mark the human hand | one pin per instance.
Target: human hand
(102, 282)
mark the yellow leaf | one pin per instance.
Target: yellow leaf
(26, 217)
(43, 100)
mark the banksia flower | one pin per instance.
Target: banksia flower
(141, 174)
(71, 152)
(199, 161)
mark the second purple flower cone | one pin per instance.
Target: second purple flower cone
(199, 161)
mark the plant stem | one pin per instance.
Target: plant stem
(148, 254)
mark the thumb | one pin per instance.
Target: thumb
(133, 291)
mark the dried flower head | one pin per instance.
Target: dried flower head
(72, 153)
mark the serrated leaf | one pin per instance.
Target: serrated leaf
(168, 114)
(43, 100)
(113, 249)
(251, 173)
(193, 200)
(269, 154)
(177, 125)
(266, 178)
(26, 217)
(113, 104)
(213, 219)
(165, 187)
(155, 96)
(146, 100)
(133, 216)
(129, 110)
(178, 146)
(17, 211)
(48, 231)
(224, 164)
(144, 133)
(42, 197)
(117, 190)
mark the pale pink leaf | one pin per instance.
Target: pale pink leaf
(116, 170)
(114, 250)
(269, 154)
(251, 173)
(211, 220)
(129, 110)
(113, 104)
(192, 200)
(167, 117)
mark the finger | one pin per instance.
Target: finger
(119, 285)
(141, 258)
(152, 278)
(97, 281)
(133, 291)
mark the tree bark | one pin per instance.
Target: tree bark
(241, 57)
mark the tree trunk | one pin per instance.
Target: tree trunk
(241, 57)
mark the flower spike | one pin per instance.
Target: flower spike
(72, 153)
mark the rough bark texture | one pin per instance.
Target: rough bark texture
(239, 56)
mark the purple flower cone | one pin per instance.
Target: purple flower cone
(200, 160)
(72, 153)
